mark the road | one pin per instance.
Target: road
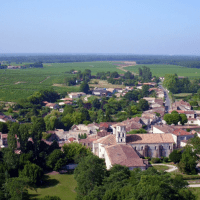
(167, 99)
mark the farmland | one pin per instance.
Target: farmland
(161, 70)
(21, 83)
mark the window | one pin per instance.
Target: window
(155, 147)
(119, 134)
(123, 135)
(135, 148)
(141, 148)
(169, 147)
(121, 140)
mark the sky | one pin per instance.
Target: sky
(152, 27)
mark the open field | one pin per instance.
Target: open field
(21, 83)
(161, 70)
(61, 185)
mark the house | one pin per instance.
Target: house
(120, 90)
(159, 129)
(89, 141)
(3, 140)
(101, 93)
(66, 99)
(111, 90)
(5, 118)
(181, 105)
(75, 95)
(188, 113)
(181, 135)
(52, 105)
(160, 110)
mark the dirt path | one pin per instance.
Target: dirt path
(171, 167)
(45, 79)
(126, 64)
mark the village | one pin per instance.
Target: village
(112, 141)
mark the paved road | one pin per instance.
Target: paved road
(167, 99)
(171, 167)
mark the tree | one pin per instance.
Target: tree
(16, 188)
(145, 90)
(3, 127)
(74, 149)
(183, 119)
(54, 157)
(89, 173)
(171, 82)
(175, 118)
(33, 172)
(67, 121)
(84, 87)
(188, 161)
(143, 105)
(96, 104)
(23, 136)
(175, 156)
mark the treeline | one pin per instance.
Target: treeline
(183, 85)
(141, 59)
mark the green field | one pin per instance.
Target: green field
(161, 70)
(160, 167)
(21, 83)
(61, 185)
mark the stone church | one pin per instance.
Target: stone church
(130, 149)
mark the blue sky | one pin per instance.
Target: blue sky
(106, 26)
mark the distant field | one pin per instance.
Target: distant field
(21, 83)
(61, 185)
(161, 70)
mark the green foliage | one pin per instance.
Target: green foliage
(143, 105)
(145, 73)
(188, 161)
(33, 172)
(82, 136)
(74, 149)
(3, 127)
(141, 130)
(84, 87)
(54, 157)
(155, 160)
(175, 156)
(16, 188)
(89, 173)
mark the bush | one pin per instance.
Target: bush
(155, 160)
(165, 159)
(175, 156)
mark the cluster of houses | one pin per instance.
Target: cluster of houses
(112, 141)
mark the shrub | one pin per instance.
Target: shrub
(175, 156)
(155, 160)
(165, 159)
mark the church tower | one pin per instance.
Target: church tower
(120, 133)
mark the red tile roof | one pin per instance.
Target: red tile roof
(124, 155)
(149, 138)
(182, 132)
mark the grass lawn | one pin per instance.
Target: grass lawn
(61, 185)
(196, 192)
(161, 167)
